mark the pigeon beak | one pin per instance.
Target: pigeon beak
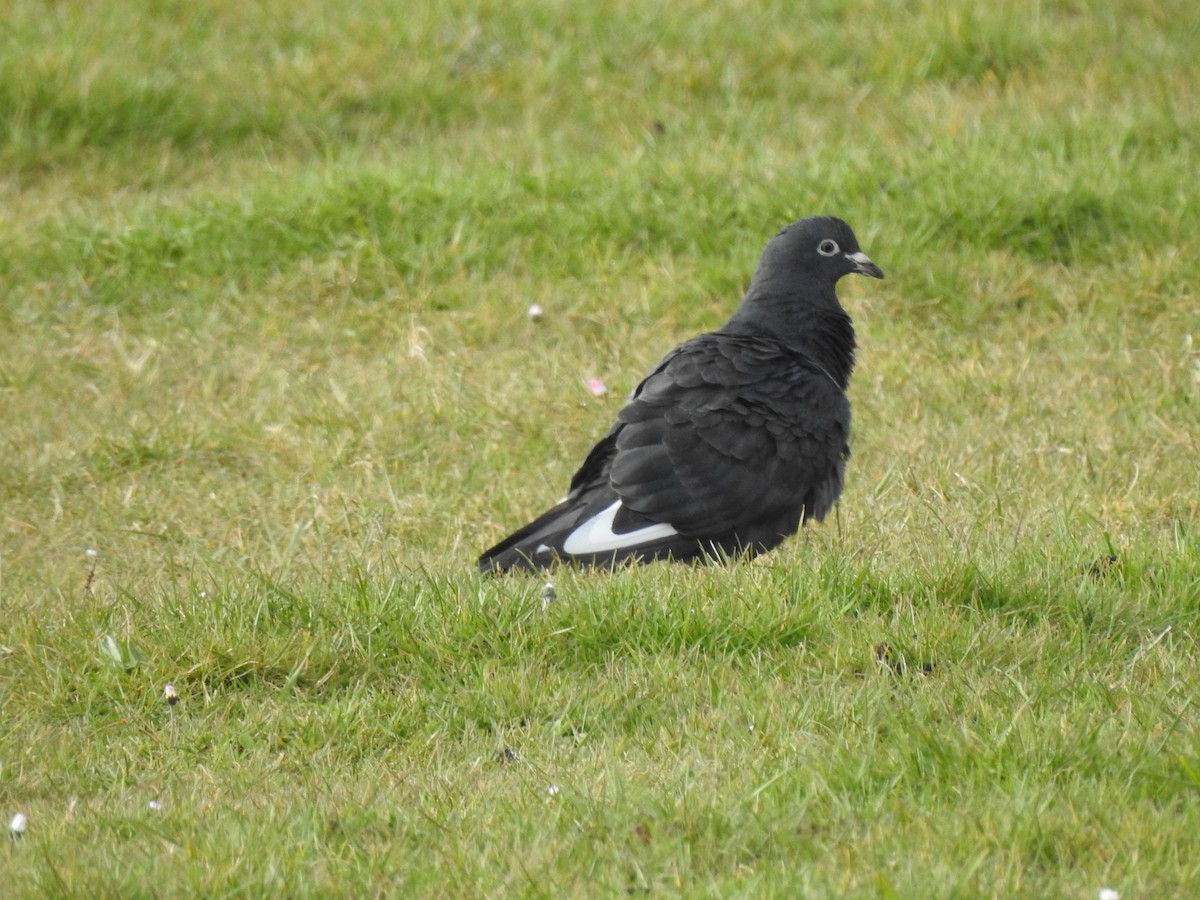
(863, 265)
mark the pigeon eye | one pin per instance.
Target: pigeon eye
(827, 247)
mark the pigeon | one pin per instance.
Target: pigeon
(736, 438)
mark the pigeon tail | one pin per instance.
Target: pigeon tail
(603, 532)
(519, 550)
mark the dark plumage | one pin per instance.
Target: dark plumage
(734, 439)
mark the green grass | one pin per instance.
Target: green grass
(264, 273)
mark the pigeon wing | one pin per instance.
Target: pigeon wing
(732, 434)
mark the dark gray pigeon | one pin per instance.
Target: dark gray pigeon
(734, 439)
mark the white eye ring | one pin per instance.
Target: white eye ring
(827, 247)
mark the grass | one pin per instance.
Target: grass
(265, 271)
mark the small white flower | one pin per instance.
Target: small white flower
(18, 824)
(536, 312)
(751, 726)
(552, 790)
(171, 695)
(1107, 894)
(596, 386)
(549, 595)
(156, 806)
(91, 552)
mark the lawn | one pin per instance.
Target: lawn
(268, 385)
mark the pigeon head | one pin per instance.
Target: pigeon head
(810, 256)
(792, 296)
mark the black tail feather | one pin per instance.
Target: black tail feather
(519, 550)
(539, 545)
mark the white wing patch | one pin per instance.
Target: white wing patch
(596, 534)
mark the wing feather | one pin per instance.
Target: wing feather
(732, 434)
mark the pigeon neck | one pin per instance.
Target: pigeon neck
(823, 332)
